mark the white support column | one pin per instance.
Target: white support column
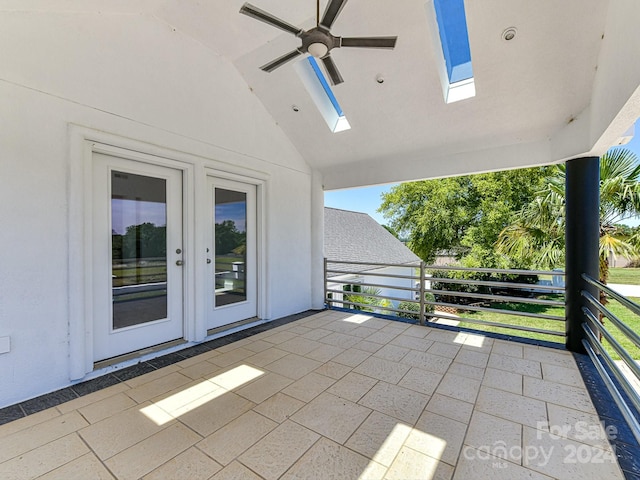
(317, 241)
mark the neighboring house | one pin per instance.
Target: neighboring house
(356, 237)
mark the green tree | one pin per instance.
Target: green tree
(464, 214)
(537, 233)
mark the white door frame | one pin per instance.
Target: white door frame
(83, 141)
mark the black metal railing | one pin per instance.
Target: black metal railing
(597, 327)
(406, 284)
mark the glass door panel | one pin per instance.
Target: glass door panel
(138, 249)
(230, 233)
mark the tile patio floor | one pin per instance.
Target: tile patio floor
(333, 395)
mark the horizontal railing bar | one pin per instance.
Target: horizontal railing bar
(393, 309)
(592, 344)
(501, 298)
(634, 307)
(385, 275)
(497, 310)
(379, 285)
(347, 262)
(496, 324)
(489, 283)
(594, 322)
(494, 270)
(359, 294)
(623, 327)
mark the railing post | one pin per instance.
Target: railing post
(422, 292)
(582, 235)
(326, 284)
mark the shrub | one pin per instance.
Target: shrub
(415, 307)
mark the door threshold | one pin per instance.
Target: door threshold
(229, 326)
(137, 354)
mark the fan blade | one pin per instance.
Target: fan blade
(278, 62)
(369, 42)
(332, 70)
(331, 13)
(266, 17)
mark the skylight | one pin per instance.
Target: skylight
(321, 94)
(449, 18)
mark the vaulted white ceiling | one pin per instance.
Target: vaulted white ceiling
(566, 86)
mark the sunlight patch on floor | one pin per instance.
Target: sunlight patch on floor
(189, 399)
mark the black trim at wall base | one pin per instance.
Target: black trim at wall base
(53, 399)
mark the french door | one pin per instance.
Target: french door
(137, 242)
(231, 252)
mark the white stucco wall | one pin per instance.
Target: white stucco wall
(135, 81)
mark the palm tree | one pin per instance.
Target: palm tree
(537, 235)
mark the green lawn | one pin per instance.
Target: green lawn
(633, 321)
(627, 276)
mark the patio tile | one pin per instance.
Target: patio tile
(421, 381)
(399, 402)
(414, 343)
(235, 471)
(503, 380)
(142, 458)
(92, 398)
(351, 357)
(548, 355)
(510, 349)
(473, 358)
(558, 374)
(317, 334)
(382, 369)
(443, 349)
(341, 340)
(494, 436)
(567, 459)
(157, 387)
(462, 388)
(140, 374)
(236, 437)
(382, 337)
(39, 434)
(278, 451)
(327, 459)
(559, 394)
(509, 406)
(367, 346)
(279, 407)
(82, 468)
(580, 426)
(352, 386)
(293, 366)
(119, 432)
(528, 367)
(437, 436)
(258, 346)
(427, 361)
(410, 464)
(43, 459)
(191, 464)
(417, 331)
(333, 417)
(324, 353)
(263, 387)
(450, 407)
(299, 345)
(468, 371)
(380, 438)
(333, 370)
(280, 336)
(266, 357)
(22, 422)
(229, 358)
(392, 353)
(105, 408)
(309, 386)
(216, 413)
(201, 370)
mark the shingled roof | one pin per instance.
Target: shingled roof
(356, 237)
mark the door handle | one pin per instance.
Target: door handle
(179, 263)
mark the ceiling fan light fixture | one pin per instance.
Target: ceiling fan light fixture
(317, 49)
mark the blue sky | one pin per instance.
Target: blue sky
(368, 199)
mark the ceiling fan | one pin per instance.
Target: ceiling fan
(317, 41)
